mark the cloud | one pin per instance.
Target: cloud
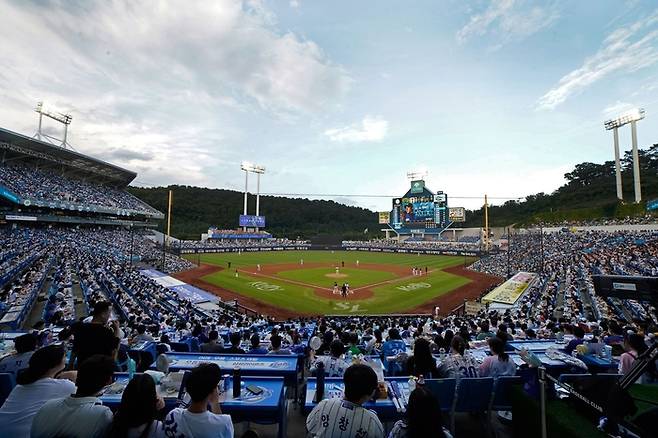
(617, 108)
(175, 84)
(295, 3)
(508, 20)
(371, 129)
(625, 50)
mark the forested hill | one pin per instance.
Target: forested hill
(588, 194)
(196, 208)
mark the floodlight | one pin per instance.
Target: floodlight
(633, 115)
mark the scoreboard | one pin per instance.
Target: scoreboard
(420, 211)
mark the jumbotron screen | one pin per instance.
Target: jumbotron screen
(419, 210)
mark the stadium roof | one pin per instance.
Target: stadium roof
(19, 144)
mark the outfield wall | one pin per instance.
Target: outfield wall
(449, 252)
(242, 249)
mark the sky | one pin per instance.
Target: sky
(336, 97)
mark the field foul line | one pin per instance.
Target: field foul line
(299, 283)
(285, 280)
(394, 280)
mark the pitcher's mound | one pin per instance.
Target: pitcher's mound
(334, 275)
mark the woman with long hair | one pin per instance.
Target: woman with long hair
(499, 363)
(136, 416)
(421, 363)
(458, 364)
(423, 417)
(37, 384)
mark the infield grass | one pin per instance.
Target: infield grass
(293, 287)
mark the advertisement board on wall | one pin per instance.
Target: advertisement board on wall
(248, 220)
(457, 214)
(384, 217)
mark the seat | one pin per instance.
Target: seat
(502, 399)
(444, 390)
(473, 395)
(179, 347)
(7, 383)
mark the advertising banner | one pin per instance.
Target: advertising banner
(384, 217)
(457, 214)
(473, 307)
(510, 291)
(248, 220)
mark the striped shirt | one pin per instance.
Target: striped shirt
(336, 418)
(457, 366)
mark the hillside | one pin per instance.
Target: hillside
(588, 194)
(196, 208)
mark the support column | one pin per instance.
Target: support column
(257, 194)
(620, 192)
(636, 164)
(246, 187)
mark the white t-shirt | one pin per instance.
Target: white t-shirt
(72, 417)
(15, 362)
(25, 401)
(336, 418)
(181, 423)
(156, 431)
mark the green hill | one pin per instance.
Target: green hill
(196, 208)
(589, 193)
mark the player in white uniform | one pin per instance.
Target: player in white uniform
(346, 417)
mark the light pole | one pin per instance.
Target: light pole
(632, 117)
(258, 170)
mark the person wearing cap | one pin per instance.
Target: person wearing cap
(25, 346)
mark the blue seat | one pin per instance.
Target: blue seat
(444, 390)
(473, 395)
(7, 383)
(569, 378)
(502, 399)
(194, 345)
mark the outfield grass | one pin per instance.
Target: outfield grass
(294, 288)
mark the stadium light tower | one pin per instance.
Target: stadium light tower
(632, 117)
(258, 170)
(64, 119)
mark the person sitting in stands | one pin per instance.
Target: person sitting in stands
(422, 419)
(634, 346)
(578, 334)
(235, 344)
(36, 385)
(142, 336)
(82, 414)
(334, 366)
(346, 417)
(213, 345)
(499, 363)
(457, 364)
(196, 421)
(276, 346)
(25, 346)
(421, 363)
(255, 345)
(136, 416)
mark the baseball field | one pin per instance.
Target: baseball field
(289, 283)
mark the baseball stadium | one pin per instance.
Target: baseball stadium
(257, 219)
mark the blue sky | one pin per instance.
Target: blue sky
(342, 97)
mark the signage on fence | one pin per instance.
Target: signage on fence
(473, 307)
